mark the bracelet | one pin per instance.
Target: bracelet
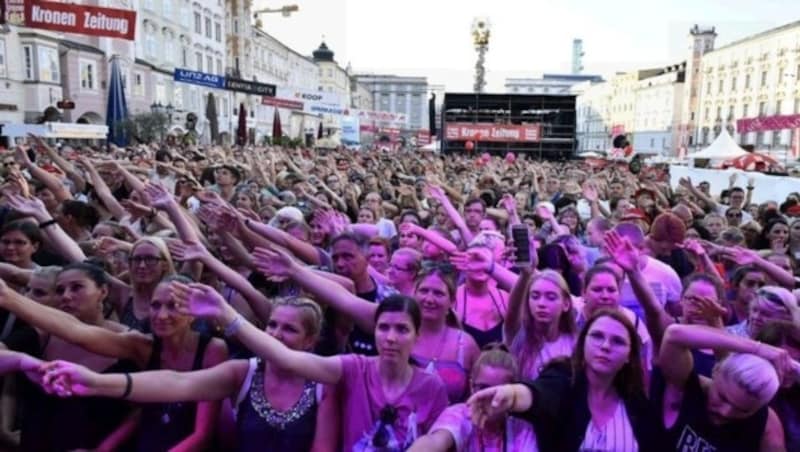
(234, 326)
(128, 386)
(47, 223)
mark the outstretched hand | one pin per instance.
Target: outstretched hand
(198, 300)
(490, 402)
(159, 197)
(622, 251)
(66, 379)
(186, 251)
(277, 265)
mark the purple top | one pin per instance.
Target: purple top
(364, 401)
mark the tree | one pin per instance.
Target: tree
(146, 127)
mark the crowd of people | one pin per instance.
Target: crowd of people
(187, 298)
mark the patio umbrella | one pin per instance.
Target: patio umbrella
(319, 130)
(752, 161)
(241, 130)
(117, 107)
(277, 131)
(213, 120)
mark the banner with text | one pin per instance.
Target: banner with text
(778, 122)
(282, 103)
(81, 19)
(503, 133)
(249, 87)
(350, 131)
(313, 101)
(199, 78)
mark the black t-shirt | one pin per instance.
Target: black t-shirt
(18, 335)
(363, 342)
(693, 429)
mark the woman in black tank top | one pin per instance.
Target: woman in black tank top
(727, 412)
(173, 346)
(276, 411)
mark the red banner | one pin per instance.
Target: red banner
(81, 19)
(423, 137)
(617, 129)
(282, 103)
(778, 122)
(504, 133)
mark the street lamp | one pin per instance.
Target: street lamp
(285, 11)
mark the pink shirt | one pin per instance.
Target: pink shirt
(519, 435)
(363, 400)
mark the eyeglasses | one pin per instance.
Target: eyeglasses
(388, 416)
(148, 260)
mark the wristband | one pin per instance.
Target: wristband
(47, 224)
(234, 326)
(128, 386)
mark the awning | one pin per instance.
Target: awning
(57, 130)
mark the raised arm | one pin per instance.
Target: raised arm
(102, 190)
(430, 236)
(686, 183)
(304, 250)
(438, 194)
(675, 357)
(280, 265)
(56, 236)
(51, 182)
(622, 251)
(202, 301)
(134, 346)
(61, 162)
(744, 256)
(257, 301)
(516, 305)
(161, 199)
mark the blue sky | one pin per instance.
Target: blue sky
(432, 37)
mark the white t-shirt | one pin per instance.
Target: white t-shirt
(663, 280)
(585, 209)
(455, 420)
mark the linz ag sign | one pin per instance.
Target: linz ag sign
(199, 78)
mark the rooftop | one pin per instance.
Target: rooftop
(763, 34)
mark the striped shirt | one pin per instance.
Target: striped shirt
(616, 435)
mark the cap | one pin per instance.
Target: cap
(634, 214)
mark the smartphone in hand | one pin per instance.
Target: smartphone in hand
(522, 242)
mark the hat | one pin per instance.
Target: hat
(668, 227)
(793, 211)
(635, 214)
(643, 191)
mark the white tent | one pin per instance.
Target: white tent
(723, 148)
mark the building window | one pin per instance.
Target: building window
(745, 107)
(760, 138)
(198, 60)
(762, 109)
(719, 113)
(778, 107)
(219, 66)
(27, 57)
(208, 27)
(747, 81)
(730, 113)
(721, 85)
(764, 79)
(48, 65)
(138, 84)
(185, 17)
(150, 45)
(797, 105)
(161, 92)
(733, 84)
(3, 71)
(88, 75)
(169, 49)
(209, 64)
(708, 88)
(780, 76)
(198, 25)
(184, 57)
(149, 5)
(218, 31)
(177, 96)
(235, 25)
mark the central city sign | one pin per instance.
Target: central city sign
(244, 86)
(220, 82)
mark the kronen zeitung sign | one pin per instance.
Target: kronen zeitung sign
(81, 19)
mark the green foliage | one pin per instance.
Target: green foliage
(145, 127)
